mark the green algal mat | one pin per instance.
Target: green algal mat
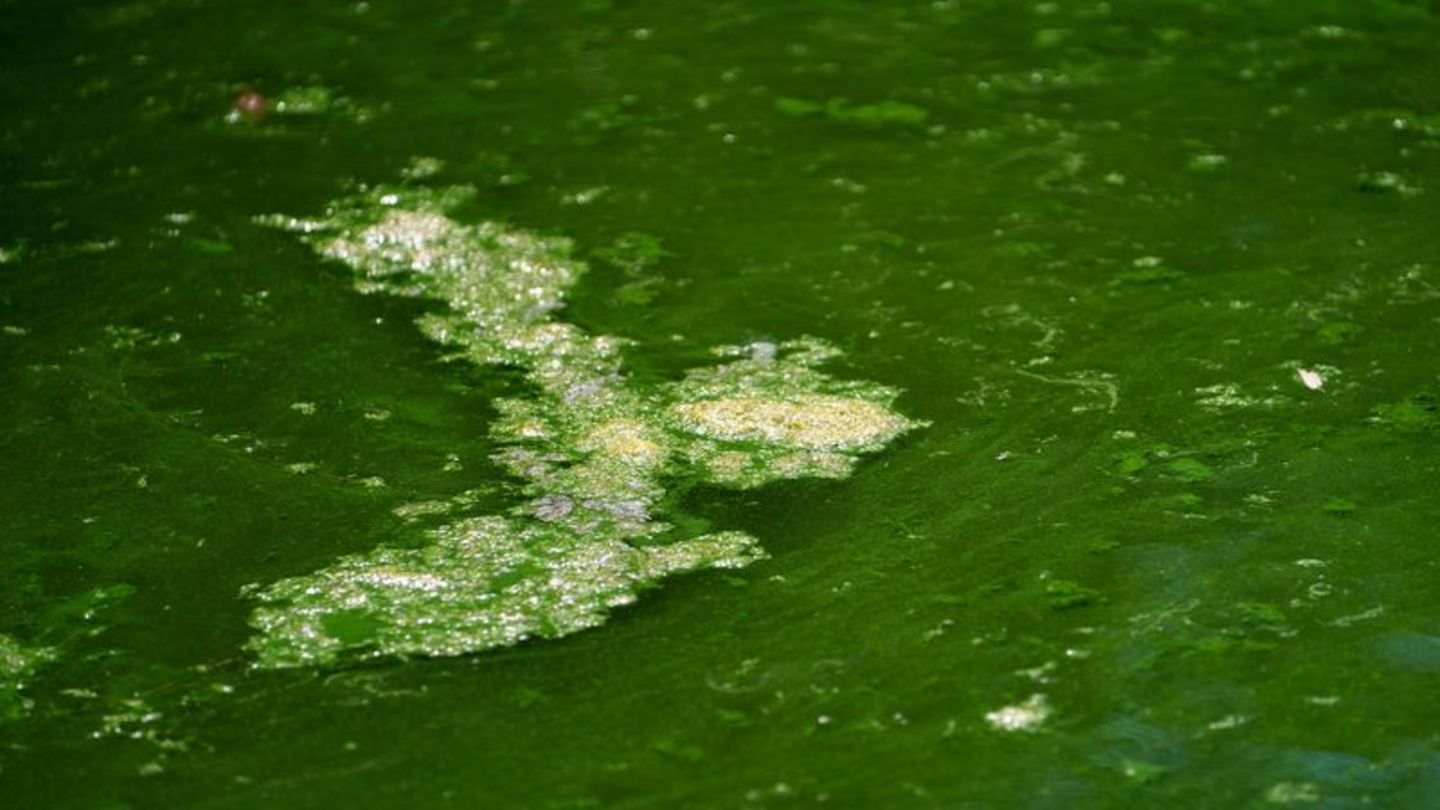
(594, 449)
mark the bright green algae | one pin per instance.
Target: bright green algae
(1137, 562)
(594, 449)
(484, 582)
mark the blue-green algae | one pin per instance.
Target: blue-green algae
(1158, 276)
(594, 449)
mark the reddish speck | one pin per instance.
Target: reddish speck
(250, 104)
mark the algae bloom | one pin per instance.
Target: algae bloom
(812, 422)
(594, 450)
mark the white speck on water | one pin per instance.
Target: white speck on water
(1040, 674)
(1229, 721)
(1293, 793)
(1027, 716)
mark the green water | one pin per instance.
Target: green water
(1134, 559)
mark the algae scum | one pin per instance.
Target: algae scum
(1152, 524)
(594, 450)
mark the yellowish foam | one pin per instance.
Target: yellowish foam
(812, 422)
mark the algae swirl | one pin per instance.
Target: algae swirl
(594, 449)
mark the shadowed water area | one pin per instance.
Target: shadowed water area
(606, 404)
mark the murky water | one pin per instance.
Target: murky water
(1149, 523)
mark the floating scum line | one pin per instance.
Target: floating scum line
(593, 448)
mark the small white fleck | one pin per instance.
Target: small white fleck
(1293, 793)
(1311, 379)
(1040, 674)
(1228, 722)
(1027, 716)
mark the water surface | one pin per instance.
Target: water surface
(1159, 276)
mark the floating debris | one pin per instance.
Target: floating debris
(770, 416)
(308, 100)
(1386, 183)
(1207, 162)
(1229, 396)
(1027, 717)
(813, 422)
(422, 167)
(1310, 379)
(483, 583)
(592, 448)
(1293, 793)
(250, 105)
